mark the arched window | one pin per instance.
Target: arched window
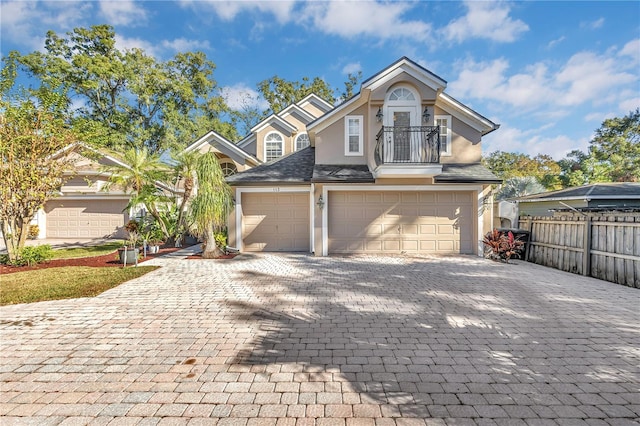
(273, 146)
(402, 94)
(302, 141)
(228, 168)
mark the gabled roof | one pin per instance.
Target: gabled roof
(223, 144)
(315, 100)
(273, 118)
(406, 65)
(594, 191)
(294, 168)
(294, 108)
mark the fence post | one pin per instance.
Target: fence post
(586, 254)
(528, 246)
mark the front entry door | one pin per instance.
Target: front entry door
(399, 147)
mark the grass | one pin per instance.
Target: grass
(76, 252)
(64, 283)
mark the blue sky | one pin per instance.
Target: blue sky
(548, 72)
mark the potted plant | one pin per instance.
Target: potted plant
(154, 240)
(129, 253)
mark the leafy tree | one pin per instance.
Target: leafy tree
(350, 85)
(519, 187)
(510, 164)
(127, 97)
(617, 144)
(34, 140)
(211, 205)
(281, 93)
(140, 175)
(184, 168)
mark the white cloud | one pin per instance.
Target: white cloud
(632, 50)
(26, 23)
(488, 20)
(552, 43)
(593, 25)
(149, 48)
(352, 68)
(352, 18)
(228, 10)
(588, 76)
(585, 77)
(123, 12)
(530, 142)
(241, 96)
(629, 105)
(185, 45)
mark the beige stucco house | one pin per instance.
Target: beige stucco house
(83, 208)
(394, 169)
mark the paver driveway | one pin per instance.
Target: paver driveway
(295, 339)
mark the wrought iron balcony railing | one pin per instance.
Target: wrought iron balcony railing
(411, 144)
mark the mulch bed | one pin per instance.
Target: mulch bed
(107, 260)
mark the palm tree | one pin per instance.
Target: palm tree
(519, 187)
(139, 174)
(184, 166)
(211, 205)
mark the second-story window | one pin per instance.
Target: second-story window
(302, 141)
(273, 146)
(353, 135)
(444, 121)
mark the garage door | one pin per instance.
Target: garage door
(396, 222)
(275, 222)
(85, 218)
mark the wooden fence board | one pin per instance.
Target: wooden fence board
(602, 246)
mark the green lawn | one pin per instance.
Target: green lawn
(64, 283)
(71, 253)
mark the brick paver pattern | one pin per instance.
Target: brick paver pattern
(301, 340)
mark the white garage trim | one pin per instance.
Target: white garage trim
(327, 188)
(272, 189)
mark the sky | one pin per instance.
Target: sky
(548, 72)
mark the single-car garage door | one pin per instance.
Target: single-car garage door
(396, 222)
(85, 218)
(275, 221)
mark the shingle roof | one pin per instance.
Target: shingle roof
(342, 173)
(592, 191)
(294, 168)
(466, 173)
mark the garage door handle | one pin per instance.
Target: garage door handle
(399, 231)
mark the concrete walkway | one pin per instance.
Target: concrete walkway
(295, 339)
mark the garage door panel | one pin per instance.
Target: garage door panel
(275, 221)
(85, 218)
(402, 222)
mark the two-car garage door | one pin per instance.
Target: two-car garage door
(396, 222)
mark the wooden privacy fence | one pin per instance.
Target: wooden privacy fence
(601, 246)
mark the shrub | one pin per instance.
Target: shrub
(502, 246)
(30, 256)
(34, 231)
(221, 240)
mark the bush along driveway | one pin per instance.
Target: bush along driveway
(350, 340)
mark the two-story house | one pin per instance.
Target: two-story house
(394, 169)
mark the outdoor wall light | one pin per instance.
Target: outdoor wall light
(379, 115)
(320, 202)
(425, 114)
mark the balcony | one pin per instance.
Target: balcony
(411, 151)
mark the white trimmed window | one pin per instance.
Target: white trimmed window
(273, 146)
(444, 121)
(228, 168)
(353, 135)
(302, 141)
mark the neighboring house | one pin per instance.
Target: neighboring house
(82, 208)
(394, 169)
(599, 196)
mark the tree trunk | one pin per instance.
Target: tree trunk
(15, 235)
(210, 249)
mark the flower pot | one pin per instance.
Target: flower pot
(153, 249)
(131, 255)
